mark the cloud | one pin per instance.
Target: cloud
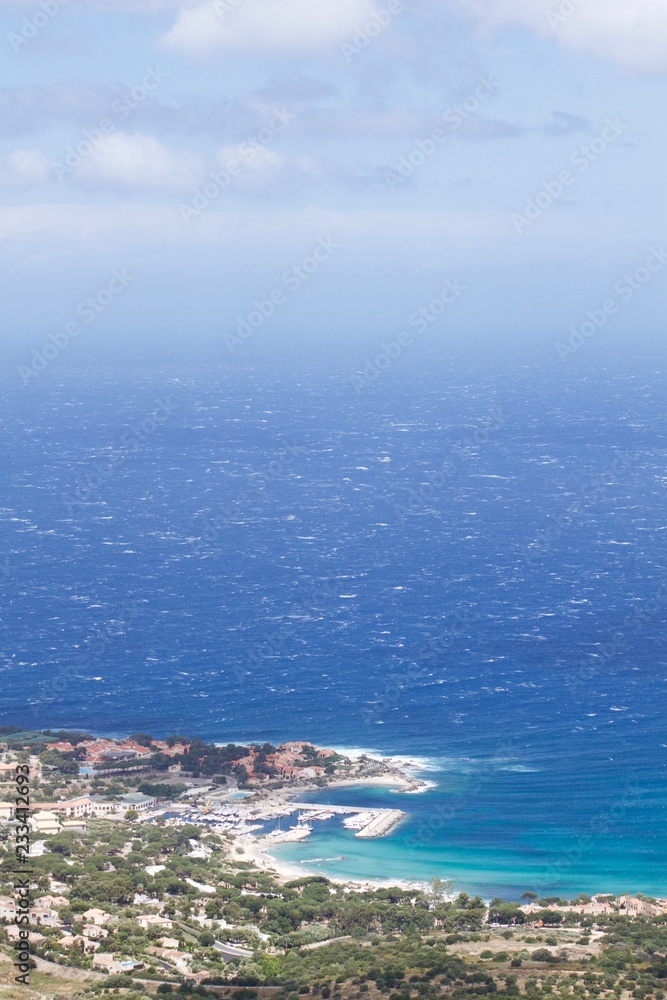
(296, 89)
(563, 123)
(292, 26)
(630, 32)
(147, 7)
(125, 162)
(23, 168)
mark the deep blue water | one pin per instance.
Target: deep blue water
(261, 565)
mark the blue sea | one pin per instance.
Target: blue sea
(463, 563)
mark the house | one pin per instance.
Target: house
(43, 913)
(54, 884)
(167, 942)
(638, 907)
(62, 746)
(312, 772)
(179, 959)
(107, 962)
(78, 941)
(94, 932)
(147, 920)
(45, 822)
(13, 933)
(6, 812)
(97, 917)
(7, 908)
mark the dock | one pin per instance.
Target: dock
(384, 821)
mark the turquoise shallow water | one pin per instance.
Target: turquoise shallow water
(490, 828)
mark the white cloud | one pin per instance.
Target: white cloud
(23, 168)
(138, 163)
(267, 25)
(631, 32)
(133, 6)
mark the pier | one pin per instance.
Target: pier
(384, 821)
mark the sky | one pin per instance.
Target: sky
(327, 169)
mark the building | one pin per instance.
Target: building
(638, 907)
(6, 812)
(138, 801)
(45, 822)
(179, 959)
(7, 909)
(109, 963)
(147, 920)
(70, 808)
(78, 941)
(45, 910)
(84, 805)
(74, 825)
(94, 932)
(102, 807)
(97, 917)
(14, 933)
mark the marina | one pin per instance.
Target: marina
(243, 818)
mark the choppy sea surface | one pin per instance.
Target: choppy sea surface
(461, 564)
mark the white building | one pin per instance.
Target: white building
(6, 812)
(45, 822)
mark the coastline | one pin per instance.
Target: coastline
(256, 850)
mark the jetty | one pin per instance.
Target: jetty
(368, 823)
(384, 821)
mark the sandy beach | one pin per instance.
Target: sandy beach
(255, 852)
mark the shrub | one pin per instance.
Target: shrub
(543, 955)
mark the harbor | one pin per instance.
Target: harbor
(245, 818)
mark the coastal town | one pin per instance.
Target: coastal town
(151, 873)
